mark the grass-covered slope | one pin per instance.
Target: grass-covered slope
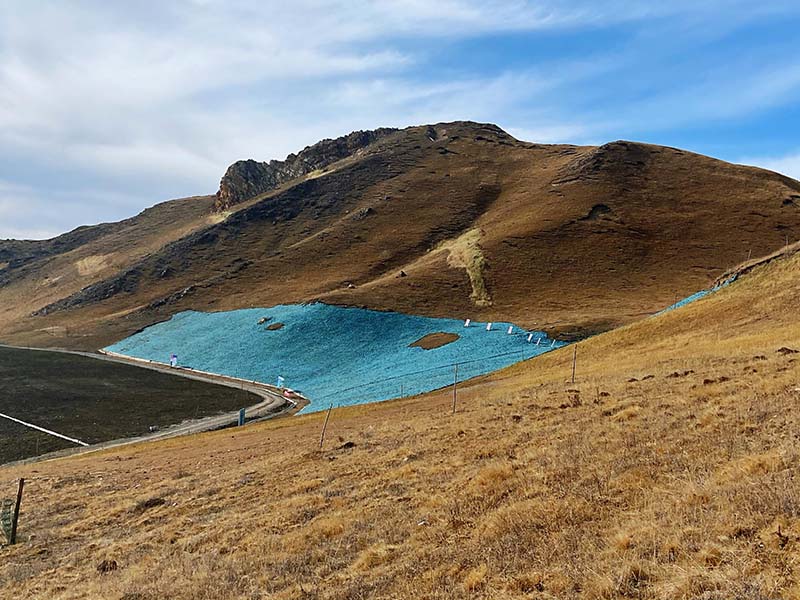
(668, 470)
(456, 219)
(95, 400)
(36, 273)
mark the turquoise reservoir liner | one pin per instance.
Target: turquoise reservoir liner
(698, 295)
(332, 354)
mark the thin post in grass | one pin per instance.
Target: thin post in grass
(574, 360)
(455, 386)
(325, 426)
(13, 539)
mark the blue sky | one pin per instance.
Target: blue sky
(107, 108)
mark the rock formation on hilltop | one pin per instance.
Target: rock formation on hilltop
(245, 179)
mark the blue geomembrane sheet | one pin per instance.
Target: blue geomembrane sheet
(687, 300)
(698, 295)
(332, 354)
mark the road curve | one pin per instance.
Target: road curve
(273, 403)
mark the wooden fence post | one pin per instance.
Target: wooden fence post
(325, 426)
(13, 539)
(455, 386)
(574, 361)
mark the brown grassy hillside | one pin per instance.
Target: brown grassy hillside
(668, 471)
(34, 274)
(570, 239)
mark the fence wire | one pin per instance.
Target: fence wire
(420, 381)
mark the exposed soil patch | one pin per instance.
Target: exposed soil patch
(274, 326)
(435, 340)
(465, 252)
(92, 264)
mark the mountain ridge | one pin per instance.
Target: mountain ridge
(570, 239)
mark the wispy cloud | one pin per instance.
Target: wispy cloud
(28, 212)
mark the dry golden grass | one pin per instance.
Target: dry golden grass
(681, 484)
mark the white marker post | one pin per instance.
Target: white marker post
(467, 322)
(530, 337)
(510, 329)
(280, 381)
(538, 341)
(489, 326)
(553, 344)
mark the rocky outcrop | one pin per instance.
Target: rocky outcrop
(246, 179)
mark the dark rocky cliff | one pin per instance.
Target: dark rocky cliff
(246, 179)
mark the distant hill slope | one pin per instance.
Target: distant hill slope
(455, 219)
(34, 274)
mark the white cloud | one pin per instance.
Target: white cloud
(27, 212)
(788, 165)
(559, 133)
(729, 92)
(18, 204)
